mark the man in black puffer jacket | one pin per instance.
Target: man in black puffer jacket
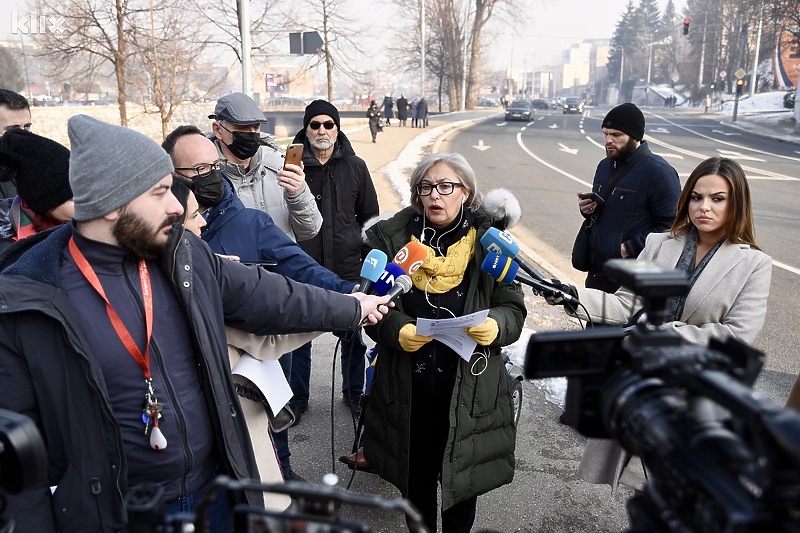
(346, 197)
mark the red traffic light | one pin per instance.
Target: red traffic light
(686, 22)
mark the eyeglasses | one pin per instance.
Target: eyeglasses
(205, 168)
(444, 188)
(315, 124)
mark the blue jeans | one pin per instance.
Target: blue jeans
(218, 512)
(352, 367)
(282, 439)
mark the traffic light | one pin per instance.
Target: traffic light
(739, 86)
(686, 22)
(712, 86)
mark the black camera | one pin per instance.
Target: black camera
(718, 457)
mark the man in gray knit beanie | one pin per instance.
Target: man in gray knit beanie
(111, 165)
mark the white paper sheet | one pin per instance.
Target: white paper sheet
(268, 376)
(450, 331)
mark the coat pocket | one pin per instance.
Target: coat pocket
(487, 391)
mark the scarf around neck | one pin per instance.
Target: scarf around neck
(439, 274)
(686, 262)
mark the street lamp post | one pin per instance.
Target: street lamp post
(621, 70)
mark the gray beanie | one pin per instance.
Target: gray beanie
(111, 165)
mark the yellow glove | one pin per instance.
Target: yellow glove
(410, 341)
(484, 334)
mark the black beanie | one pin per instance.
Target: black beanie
(39, 166)
(321, 107)
(626, 118)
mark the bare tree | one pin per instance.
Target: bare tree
(95, 33)
(170, 51)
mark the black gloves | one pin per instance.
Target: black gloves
(563, 294)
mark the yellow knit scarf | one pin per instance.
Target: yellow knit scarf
(438, 275)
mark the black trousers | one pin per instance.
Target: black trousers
(430, 422)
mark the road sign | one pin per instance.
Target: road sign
(675, 78)
(740, 74)
(723, 74)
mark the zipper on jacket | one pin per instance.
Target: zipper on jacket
(179, 415)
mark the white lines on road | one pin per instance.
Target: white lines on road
(553, 126)
(502, 124)
(565, 148)
(595, 143)
(720, 141)
(729, 134)
(659, 130)
(784, 266)
(481, 146)
(738, 155)
(548, 165)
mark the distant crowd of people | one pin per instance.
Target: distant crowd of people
(135, 276)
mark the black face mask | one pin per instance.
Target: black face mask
(245, 144)
(208, 188)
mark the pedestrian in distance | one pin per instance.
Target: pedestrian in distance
(433, 415)
(423, 113)
(388, 104)
(415, 113)
(374, 116)
(402, 110)
(640, 191)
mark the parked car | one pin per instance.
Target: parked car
(573, 105)
(519, 110)
(542, 103)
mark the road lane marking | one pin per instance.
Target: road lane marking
(738, 155)
(548, 165)
(784, 266)
(720, 141)
(481, 146)
(565, 148)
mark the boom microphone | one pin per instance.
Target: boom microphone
(371, 269)
(410, 257)
(502, 243)
(505, 270)
(387, 279)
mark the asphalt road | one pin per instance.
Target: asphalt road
(546, 161)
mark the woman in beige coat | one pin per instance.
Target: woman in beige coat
(713, 241)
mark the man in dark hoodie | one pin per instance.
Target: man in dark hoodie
(346, 197)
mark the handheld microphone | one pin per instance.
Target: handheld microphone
(410, 257)
(371, 269)
(502, 243)
(401, 286)
(387, 279)
(505, 270)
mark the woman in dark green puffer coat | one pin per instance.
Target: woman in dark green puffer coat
(433, 415)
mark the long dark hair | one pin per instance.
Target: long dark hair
(739, 228)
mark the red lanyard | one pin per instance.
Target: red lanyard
(122, 332)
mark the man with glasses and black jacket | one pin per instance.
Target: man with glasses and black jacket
(346, 197)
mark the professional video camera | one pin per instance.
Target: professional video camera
(315, 509)
(23, 460)
(719, 458)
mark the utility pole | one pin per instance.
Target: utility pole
(754, 75)
(742, 51)
(247, 47)
(703, 52)
(422, 49)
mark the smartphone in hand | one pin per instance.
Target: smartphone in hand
(294, 154)
(591, 196)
